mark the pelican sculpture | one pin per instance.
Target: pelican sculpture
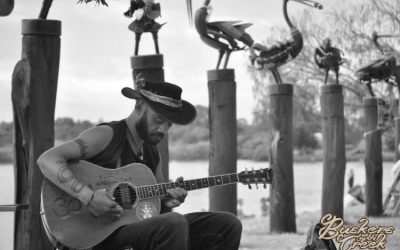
(328, 58)
(223, 35)
(382, 69)
(283, 52)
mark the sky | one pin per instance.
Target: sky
(96, 47)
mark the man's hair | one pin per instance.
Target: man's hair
(139, 105)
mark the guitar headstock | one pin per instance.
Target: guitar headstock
(262, 176)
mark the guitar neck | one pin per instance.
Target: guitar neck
(161, 189)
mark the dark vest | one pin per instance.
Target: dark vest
(119, 147)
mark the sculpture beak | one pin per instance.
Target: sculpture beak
(310, 3)
(388, 36)
(189, 11)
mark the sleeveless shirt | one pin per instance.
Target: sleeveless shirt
(119, 147)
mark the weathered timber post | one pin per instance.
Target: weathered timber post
(397, 137)
(34, 88)
(151, 68)
(334, 155)
(223, 139)
(397, 130)
(282, 212)
(373, 158)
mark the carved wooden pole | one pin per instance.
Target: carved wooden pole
(373, 158)
(223, 138)
(334, 156)
(34, 88)
(282, 212)
(151, 68)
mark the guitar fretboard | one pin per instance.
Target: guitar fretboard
(157, 190)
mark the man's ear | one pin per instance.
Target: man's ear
(140, 107)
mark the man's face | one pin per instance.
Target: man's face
(152, 127)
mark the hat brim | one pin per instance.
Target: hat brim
(181, 116)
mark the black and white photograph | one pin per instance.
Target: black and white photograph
(199, 124)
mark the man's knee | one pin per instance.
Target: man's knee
(175, 221)
(231, 221)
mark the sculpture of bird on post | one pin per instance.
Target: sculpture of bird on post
(382, 69)
(223, 35)
(328, 58)
(283, 52)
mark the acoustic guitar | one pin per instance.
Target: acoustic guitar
(134, 188)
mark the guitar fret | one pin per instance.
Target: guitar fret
(187, 185)
(198, 183)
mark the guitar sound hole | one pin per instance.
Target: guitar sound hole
(125, 195)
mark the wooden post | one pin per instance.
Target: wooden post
(282, 212)
(373, 158)
(151, 68)
(34, 88)
(396, 138)
(334, 156)
(397, 130)
(223, 138)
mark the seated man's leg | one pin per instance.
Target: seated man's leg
(216, 231)
(166, 231)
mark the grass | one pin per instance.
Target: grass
(256, 234)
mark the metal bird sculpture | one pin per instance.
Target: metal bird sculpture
(328, 58)
(283, 52)
(382, 69)
(223, 35)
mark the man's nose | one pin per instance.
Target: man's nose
(163, 127)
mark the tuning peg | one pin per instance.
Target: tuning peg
(246, 171)
(265, 185)
(256, 185)
(249, 186)
(252, 169)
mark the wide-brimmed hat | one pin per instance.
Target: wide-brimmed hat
(164, 98)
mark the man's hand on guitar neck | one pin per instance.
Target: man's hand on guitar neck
(102, 204)
(176, 196)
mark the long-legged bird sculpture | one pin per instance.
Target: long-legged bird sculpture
(223, 35)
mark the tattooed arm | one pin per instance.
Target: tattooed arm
(53, 162)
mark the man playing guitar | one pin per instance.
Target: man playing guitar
(134, 140)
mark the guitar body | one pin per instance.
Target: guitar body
(68, 221)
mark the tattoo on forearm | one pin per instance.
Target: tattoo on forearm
(64, 174)
(83, 147)
(77, 186)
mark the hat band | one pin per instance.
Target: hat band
(161, 99)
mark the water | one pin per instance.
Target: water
(307, 178)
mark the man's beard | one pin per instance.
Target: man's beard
(142, 129)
